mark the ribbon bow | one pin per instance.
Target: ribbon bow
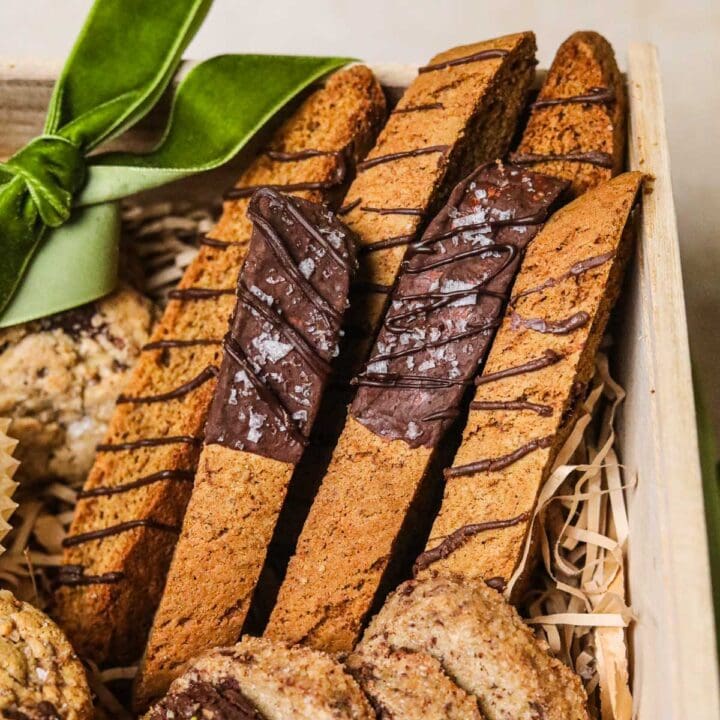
(59, 219)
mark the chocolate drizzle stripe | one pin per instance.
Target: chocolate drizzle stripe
(288, 264)
(148, 442)
(273, 401)
(456, 539)
(345, 209)
(74, 575)
(565, 326)
(393, 211)
(418, 108)
(178, 343)
(549, 357)
(594, 96)
(578, 269)
(81, 538)
(397, 241)
(298, 342)
(499, 463)
(208, 373)
(198, 293)
(405, 381)
(282, 156)
(592, 157)
(544, 410)
(101, 491)
(215, 243)
(475, 57)
(390, 157)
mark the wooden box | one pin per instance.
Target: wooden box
(674, 663)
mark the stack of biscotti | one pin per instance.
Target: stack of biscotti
(584, 89)
(130, 511)
(533, 384)
(293, 291)
(443, 313)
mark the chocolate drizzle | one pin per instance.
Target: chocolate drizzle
(74, 575)
(565, 326)
(198, 293)
(592, 157)
(292, 294)
(397, 241)
(176, 393)
(81, 538)
(544, 410)
(549, 357)
(578, 269)
(475, 57)
(448, 301)
(345, 209)
(162, 475)
(338, 178)
(179, 343)
(418, 108)
(215, 242)
(594, 96)
(390, 157)
(499, 463)
(148, 442)
(460, 537)
(393, 211)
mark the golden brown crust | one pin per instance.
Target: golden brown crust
(591, 227)
(341, 559)
(584, 61)
(111, 619)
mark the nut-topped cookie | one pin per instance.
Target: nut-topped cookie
(41, 678)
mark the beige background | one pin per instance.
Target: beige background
(687, 33)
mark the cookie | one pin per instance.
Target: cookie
(260, 680)
(59, 378)
(293, 291)
(480, 642)
(130, 512)
(40, 675)
(444, 308)
(533, 384)
(576, 129)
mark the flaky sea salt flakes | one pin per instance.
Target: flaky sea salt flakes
(307, 267)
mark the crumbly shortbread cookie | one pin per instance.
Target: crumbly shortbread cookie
(533, 383)
(59, 378)
(577, 127)
(480, 642)
(293, 291)
(40, 675)
(127, 521)
(260, 680)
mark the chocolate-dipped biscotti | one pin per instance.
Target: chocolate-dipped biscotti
(577, 126)
(532, 384)
(130, 511)
(292, 293)
(443, 313)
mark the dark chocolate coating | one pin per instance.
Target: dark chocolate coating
(224, 699)
(448, 302)
(293, 291)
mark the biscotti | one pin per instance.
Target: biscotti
(293, 291)
(130, 511)
(577, 126)
(480, 644)
(443, 312)
(460, 111)
(532, 384)
(260, 680)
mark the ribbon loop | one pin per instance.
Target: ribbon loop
(53, 170)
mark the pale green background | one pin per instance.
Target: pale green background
(686, 31)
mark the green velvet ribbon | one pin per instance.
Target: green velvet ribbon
(59, 219)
